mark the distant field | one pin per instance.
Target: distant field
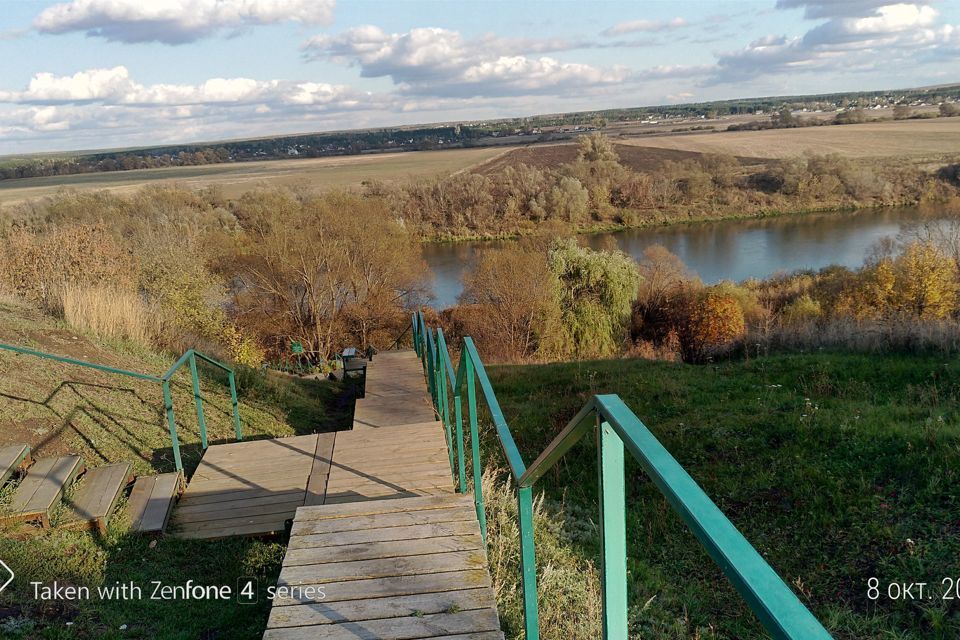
(903, 137)
(632, 155)
(341, 171)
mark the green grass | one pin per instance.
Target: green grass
(107, 418)
(836, 467)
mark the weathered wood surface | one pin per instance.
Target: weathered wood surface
(13, 458)
(92, 504)
(43, 487)
(386, 569)
(247, 488)
(396, 393)
(392, 553)
(151, 501)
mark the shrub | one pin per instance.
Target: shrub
(714, 324)
(801, 311)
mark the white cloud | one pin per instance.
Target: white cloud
(175, 21)
(115, 87)
(441, 62)
(633, 26)
(857, 35)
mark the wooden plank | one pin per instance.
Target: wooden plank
(393, 586)
(277, 483)
(43, 487)
(322, 612)
(370, 495)
(387, 534)
(151, 500)
(12, 459)
(96, 496)
(199, 495)
(184, 507)
(379, 521)
(320, 473)
(375, 550)
(406, 628)
(255, 529)
(242, 510)
(268, 523)
(383, 567)
(393, 506)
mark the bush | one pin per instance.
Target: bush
(714, 324)
(801, 311)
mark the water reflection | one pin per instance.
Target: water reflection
(728, 250)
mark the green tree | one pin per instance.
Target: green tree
(595, 292)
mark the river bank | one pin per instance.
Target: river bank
(722, 249)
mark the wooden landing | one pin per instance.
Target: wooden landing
(399, 462)
(402, 568)
(250, 488)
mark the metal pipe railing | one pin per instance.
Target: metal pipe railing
(616, 429)
(189, 357)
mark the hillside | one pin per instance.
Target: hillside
(838, 468)
(59, 408)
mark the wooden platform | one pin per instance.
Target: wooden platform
(401, 568)
(13, 458)
(250, 488)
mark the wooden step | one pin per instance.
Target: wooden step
(13, 458)
(43, 487)
(151, 501)
(96, 497)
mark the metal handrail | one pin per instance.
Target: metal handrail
(616, 427)
(190, 356)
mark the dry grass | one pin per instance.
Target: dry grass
(236, 178)
(875, 139)
(109, 313)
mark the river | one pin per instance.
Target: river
(727, 250)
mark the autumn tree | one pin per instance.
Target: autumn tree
(326, 271)
(514, 288)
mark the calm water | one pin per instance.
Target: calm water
(729, 250)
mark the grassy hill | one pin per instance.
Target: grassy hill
(59, 408)
(838, 468)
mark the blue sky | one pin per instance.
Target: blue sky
(82, 74)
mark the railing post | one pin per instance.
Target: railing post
(445, 402)
(198, 400)
(171, 423)
(458, 416)
(475, 445)
(613, 532)
(528, 564)
(235, 404)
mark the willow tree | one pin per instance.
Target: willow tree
(595, 293)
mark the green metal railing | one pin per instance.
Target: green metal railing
(190, 358)
(615, 428)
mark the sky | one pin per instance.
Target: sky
(93, 74)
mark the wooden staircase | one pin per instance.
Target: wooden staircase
(89, 497)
